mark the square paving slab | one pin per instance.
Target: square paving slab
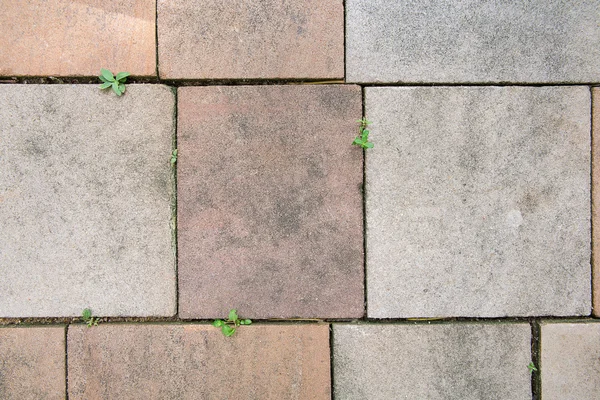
(198, 362)
(269, 201)
(459, 361)
(478, 202)
(233, 39)
(74, 38)
(570, 361)
(472, 41)
(32, 363)
(85, 201)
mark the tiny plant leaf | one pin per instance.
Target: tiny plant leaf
(174, 157)
(233, 315)
(218, 323)
(362, 139)
(122, 75)
(531, 367)
(86, 314)
(117, 83)
(107, 75)
(90, 321)
(229, 326)
(227, 330)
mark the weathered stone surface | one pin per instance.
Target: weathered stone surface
(198, 362)
(269, 202)
(478, 201)
(215, 39)
(461, 361)
(85, 201)
(596, 199)
(67, 38)
(570, 361)
(32, 363)
(472, 41)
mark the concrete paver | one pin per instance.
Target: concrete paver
(32, 363)
(269, 202)
(213, 39)
(198, 362)
(459, 361)
(570, 361)
(85, 201)
(536, 41)
(77, 38)
(478, 202)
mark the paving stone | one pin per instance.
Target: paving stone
(570, 361)
(460, 361)
(596, 199)
(478, 202)
(77, 38)
(269, 202)
(215, 39)
(197, 362)
(85, 201)
(32, 363)
(426, 41)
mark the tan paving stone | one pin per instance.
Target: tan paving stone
(32, 363)
(198, 362)
(215, 39)
(77, 38)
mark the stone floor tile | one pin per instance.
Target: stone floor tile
(77, 38)
(596, 199)
(269, 201)
(478, 202)
(32, 363)
(198, 362)
(570, 361)
(424, 41)
(215, 39)
(462, 361)
(85, 201)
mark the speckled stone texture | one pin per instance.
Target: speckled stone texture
(478, 202)
(198, 362)
(32, 363)
(269, 201)
(596, 199)
(457, 361)
(424, 41)
(570, 361)
(216, 39)
(85, 201)
(77, 38)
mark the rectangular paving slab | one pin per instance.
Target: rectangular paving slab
(596, 199)
(462, 361)
(215, 39)
(478, 202)
(85, 201)
(198, 362)
(269, 202)
(32, 363)
(533, 41)
(570, 361)
(74, 38)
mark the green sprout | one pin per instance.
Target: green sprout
(362, 139)
(86, 316)
(174, 157)
(229, 326)
(116, 82)
(531, 367)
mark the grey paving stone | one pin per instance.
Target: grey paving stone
(85, 201)
(478, 201)
(472, 41)
(459, 361)
(570, 361)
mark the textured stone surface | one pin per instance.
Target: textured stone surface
(570, 361)
(215, 39)
(269, 201)
(472, 41)
(461, 361)
(197, 362)
(478, 201)
(32, 363)
(596, 199)
(64, 37)
(85, 201)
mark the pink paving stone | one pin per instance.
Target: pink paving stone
(32, 363)
(197, 362)
(77, 38)
(596, 200)
(269, 201)
(216, 39)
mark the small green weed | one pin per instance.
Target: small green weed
(531, 367)
(86, 316)
(362, 139)
(174, 157)
(116, 82)
(229, 326)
